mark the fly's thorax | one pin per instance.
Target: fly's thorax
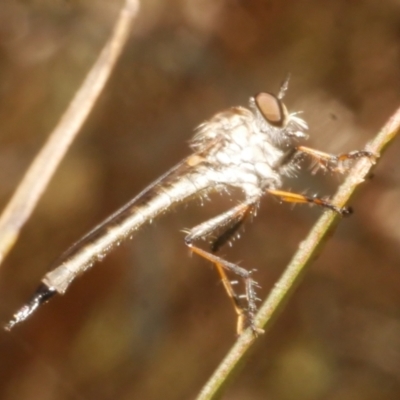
(237, 152)
(267, 125)
(250, 146)
(212, 134)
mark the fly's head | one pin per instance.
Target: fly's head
(273, 119)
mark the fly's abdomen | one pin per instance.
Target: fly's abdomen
(93, 247)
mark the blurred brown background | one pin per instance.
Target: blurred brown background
(151, 321)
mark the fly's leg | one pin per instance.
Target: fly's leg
(300, 198)
(245, 305)
(227, 223)
(336, 163)
(245, 313)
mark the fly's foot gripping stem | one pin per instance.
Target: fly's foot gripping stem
(290, 197)
(244, 305)
(336, 163)
(251, 309)
(230, 221)
(41, 296)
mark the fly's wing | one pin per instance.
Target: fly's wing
(178, 170)
(105, 236)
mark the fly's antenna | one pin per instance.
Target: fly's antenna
(284, 87)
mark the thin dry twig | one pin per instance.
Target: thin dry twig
(44, 165)
(308, 250)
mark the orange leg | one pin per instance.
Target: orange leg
(334, 162)
(245, 312)
(230, 221)
(300, 198)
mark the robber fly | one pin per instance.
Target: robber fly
(251, 149)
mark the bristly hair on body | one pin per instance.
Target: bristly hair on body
(250, 149)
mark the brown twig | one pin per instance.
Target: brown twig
(44, 165)
(308, 250)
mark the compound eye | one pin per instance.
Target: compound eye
(272, 109)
